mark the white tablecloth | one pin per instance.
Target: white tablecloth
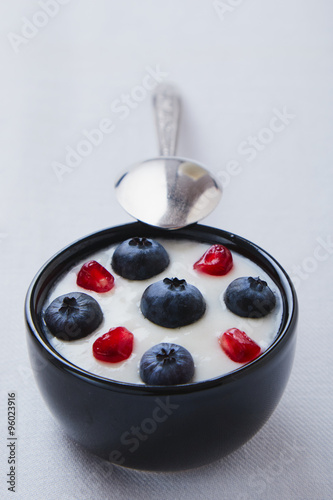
(256, 80)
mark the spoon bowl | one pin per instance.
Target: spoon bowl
(168, 192)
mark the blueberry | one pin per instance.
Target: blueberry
(139, 259)
(73, 316)
(249, 297)
(172, 303)
(166, 364)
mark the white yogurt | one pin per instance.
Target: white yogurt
(121, 307)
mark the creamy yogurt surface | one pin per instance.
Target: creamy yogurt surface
(121, 307)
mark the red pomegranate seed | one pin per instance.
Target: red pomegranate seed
(238, 346)
(93, 276)
(114, 346)
(216, 261)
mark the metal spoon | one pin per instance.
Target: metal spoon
(167, 191)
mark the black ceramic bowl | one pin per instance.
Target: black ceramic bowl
(161, 428)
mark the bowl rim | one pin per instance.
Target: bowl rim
(194, 232)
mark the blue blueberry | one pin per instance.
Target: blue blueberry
(172, 303)
(166, 364)
(139, 259)
(249, 297)
(73, 316)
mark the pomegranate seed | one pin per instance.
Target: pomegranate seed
(216, 261)
(114, 346)
(93, 276)
(238, 346)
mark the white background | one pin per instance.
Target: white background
(233, 70)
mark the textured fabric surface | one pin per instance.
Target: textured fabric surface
(256, 79)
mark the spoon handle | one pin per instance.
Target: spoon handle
(167, 110)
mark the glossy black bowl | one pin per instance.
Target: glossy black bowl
(161, 428)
